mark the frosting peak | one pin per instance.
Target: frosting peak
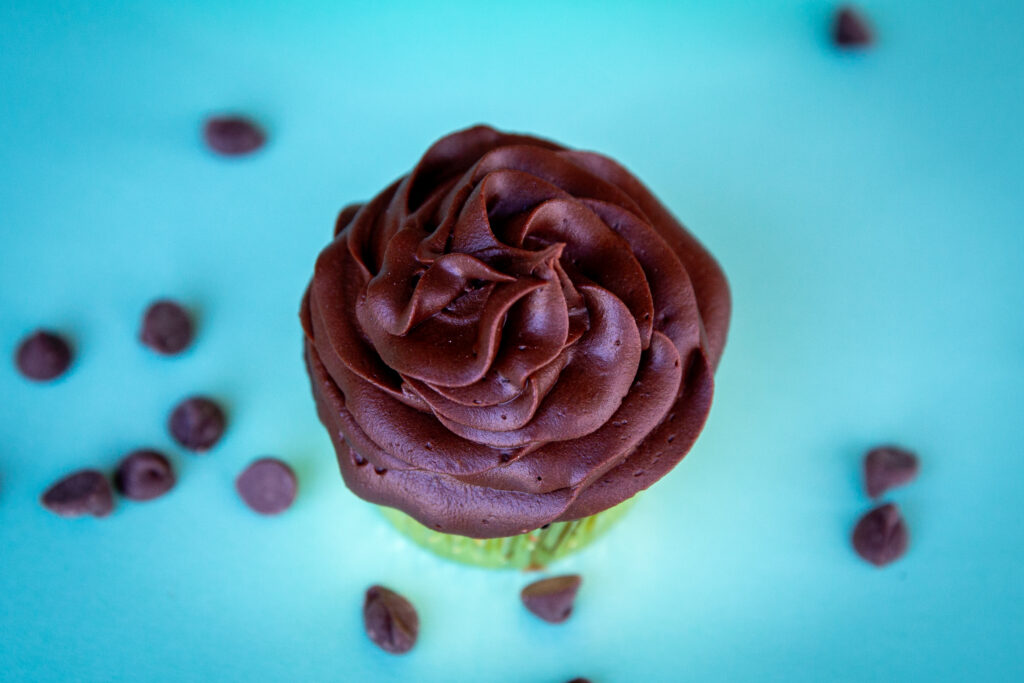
(512, 334)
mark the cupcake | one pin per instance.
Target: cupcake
(509, 343)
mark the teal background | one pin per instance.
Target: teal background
(867, 209)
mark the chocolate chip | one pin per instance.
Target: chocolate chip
(144, 475)
(887, 467)
(43, 356)
(580, 680)
(552, 599)
(390, 620)
(85, 492)
(881, 536)
(166, 328)
(268, 486)
(849, 29)
(197, 423)
(233, 135)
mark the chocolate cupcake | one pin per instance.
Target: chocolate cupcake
(509, 343)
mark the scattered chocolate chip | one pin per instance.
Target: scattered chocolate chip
(43, 356)
(552, 599)
(390, 620)
(197, 423)
(166, 328)
(881, 536)
(887, 467)
(85, 492)
(849, 29)
(268, 486)
(144, 475)
(233, 135)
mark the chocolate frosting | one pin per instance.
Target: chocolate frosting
(513, 334)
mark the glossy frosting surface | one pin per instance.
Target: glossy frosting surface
(512, 334)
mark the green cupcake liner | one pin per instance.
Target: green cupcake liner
(533, 550)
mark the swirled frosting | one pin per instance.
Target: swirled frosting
(512, 334)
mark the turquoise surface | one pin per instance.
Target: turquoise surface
(867, 209)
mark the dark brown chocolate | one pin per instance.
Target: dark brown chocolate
(43, 356)
(197, 423)
(881, 535)
(850, 29)
(552, 599)
(233, 135)
(513, 334)
(144, 475)
(268, 486)
(887, 467)
(85, 492)
(166, 328)
(390, 620)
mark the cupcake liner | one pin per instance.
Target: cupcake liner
(533, 550)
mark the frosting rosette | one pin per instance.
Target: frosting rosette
(513, 334)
